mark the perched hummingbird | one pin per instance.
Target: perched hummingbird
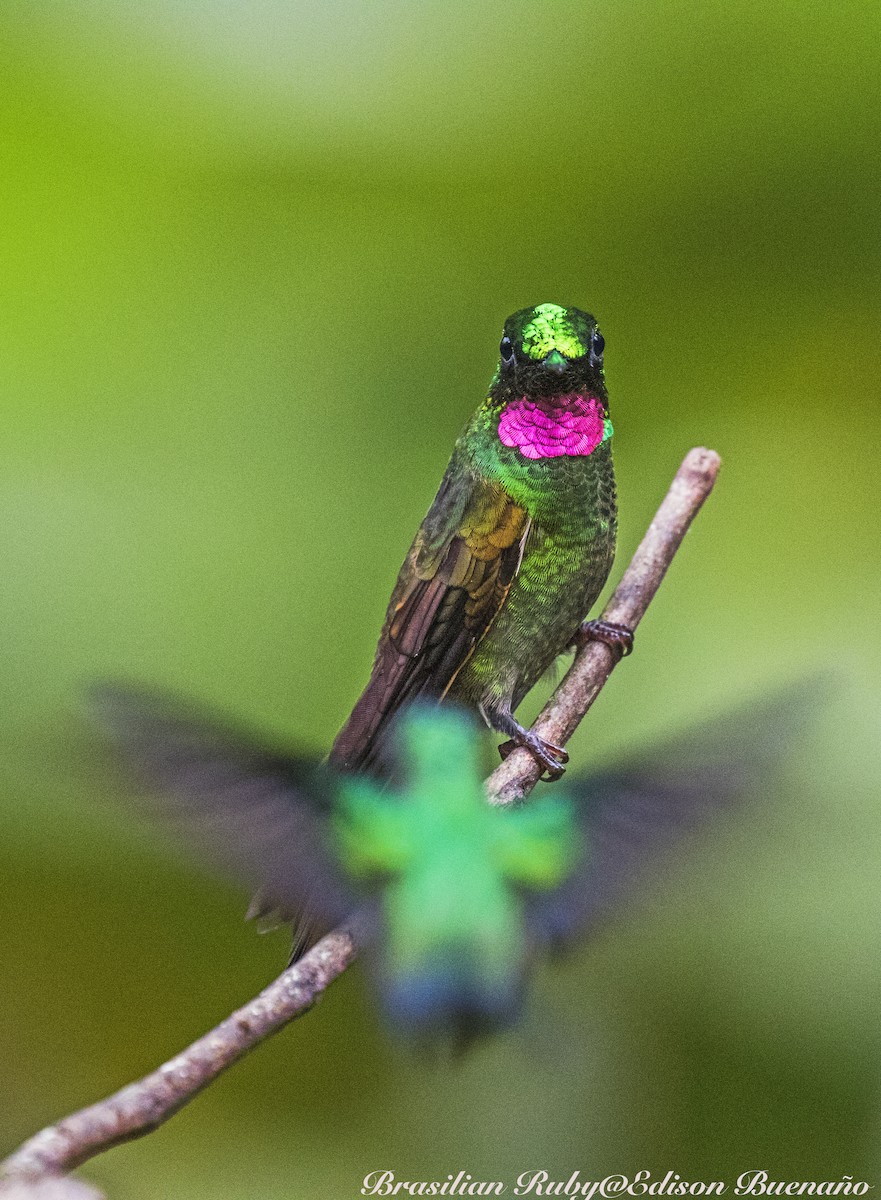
(453, 897)
(515, 548)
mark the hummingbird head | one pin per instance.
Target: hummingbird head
(549, 350)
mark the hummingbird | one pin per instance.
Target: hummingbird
(514, 550)
(451, 899)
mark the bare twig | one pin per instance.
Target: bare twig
(594, 663)
(143, 1106)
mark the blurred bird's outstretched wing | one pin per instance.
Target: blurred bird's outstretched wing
(638, 813)
(258, 814)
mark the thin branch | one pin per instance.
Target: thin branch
(594, 663)
(141, 1107)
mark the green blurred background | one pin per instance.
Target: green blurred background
(254, 261)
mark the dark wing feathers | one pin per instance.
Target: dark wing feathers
(635, 815)
(258, 814)
(452, 585)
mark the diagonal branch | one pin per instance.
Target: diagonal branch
(141, 1107)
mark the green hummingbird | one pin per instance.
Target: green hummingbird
(513, 551)
(451, 899)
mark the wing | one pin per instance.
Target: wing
(259, 815)
(452, 586)
(635, 816)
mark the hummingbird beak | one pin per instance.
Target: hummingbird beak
(555, 362)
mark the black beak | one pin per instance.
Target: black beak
(555, 362)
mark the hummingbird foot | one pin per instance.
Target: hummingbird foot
(618, 638)
(552, 759)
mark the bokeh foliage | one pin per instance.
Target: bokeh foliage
(254, 260)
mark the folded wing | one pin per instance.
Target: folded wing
(452, 586)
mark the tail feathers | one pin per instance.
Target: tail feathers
(362, 745)
(446, 1002)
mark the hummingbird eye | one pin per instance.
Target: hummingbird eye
(506, 349)
(597, 346)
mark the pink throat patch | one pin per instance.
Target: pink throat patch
(571, 425)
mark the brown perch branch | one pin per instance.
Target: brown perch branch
(141, 1107)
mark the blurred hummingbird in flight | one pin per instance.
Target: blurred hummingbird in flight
(514, 550)
(450, 899)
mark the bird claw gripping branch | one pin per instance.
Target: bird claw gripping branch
(618, 638)
(551, 758)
